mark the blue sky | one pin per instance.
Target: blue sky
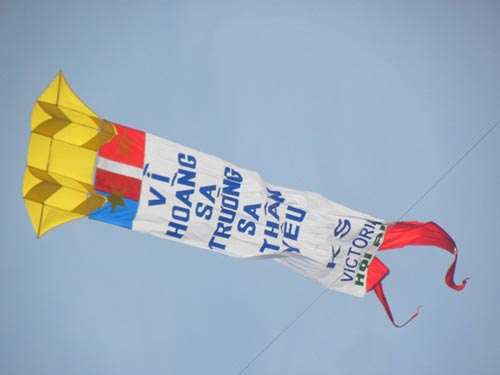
(368, 103)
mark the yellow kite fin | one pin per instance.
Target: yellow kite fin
(65, 138)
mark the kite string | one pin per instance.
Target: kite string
(439, 180)
(284, 330)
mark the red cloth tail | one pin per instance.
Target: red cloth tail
(407, 233)
(376, 273)
(403, 234)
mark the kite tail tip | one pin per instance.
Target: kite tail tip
(415, 314)
(449, 279)
(462, 285)
(379, 292)
(450, 274)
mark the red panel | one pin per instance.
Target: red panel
(127, 147)
(377, 271)
(404, 233)
(401, 234)
(118, 184)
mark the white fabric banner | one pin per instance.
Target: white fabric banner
(201, 200)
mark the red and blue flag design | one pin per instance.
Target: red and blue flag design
(118, 176)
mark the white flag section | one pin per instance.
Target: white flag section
(201, 200)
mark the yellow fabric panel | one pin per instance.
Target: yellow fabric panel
(106, 126)
(72, 127)
(52, 217)
(38, 116)
(35, 214)
(66, 136)
(91, 204)
(34, 176)
(51, 126)
(39, 151)
(43, 111)
(29, 181)
(98, 141)
(42, 175)
(80, 118)
(51, 93)
(59, 118)
(107, 133)
(73, 184)
(51, 118)
(72, 161)
(41, 192)
(68, 99)
(59, 92)
(53, 110)
(66, 199)
(76, 134)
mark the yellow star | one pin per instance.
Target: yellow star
(116, 198)
(124, 144)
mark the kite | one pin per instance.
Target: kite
(80, 165)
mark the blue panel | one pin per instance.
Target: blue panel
(122, 216)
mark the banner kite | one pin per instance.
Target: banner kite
(80, 165)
